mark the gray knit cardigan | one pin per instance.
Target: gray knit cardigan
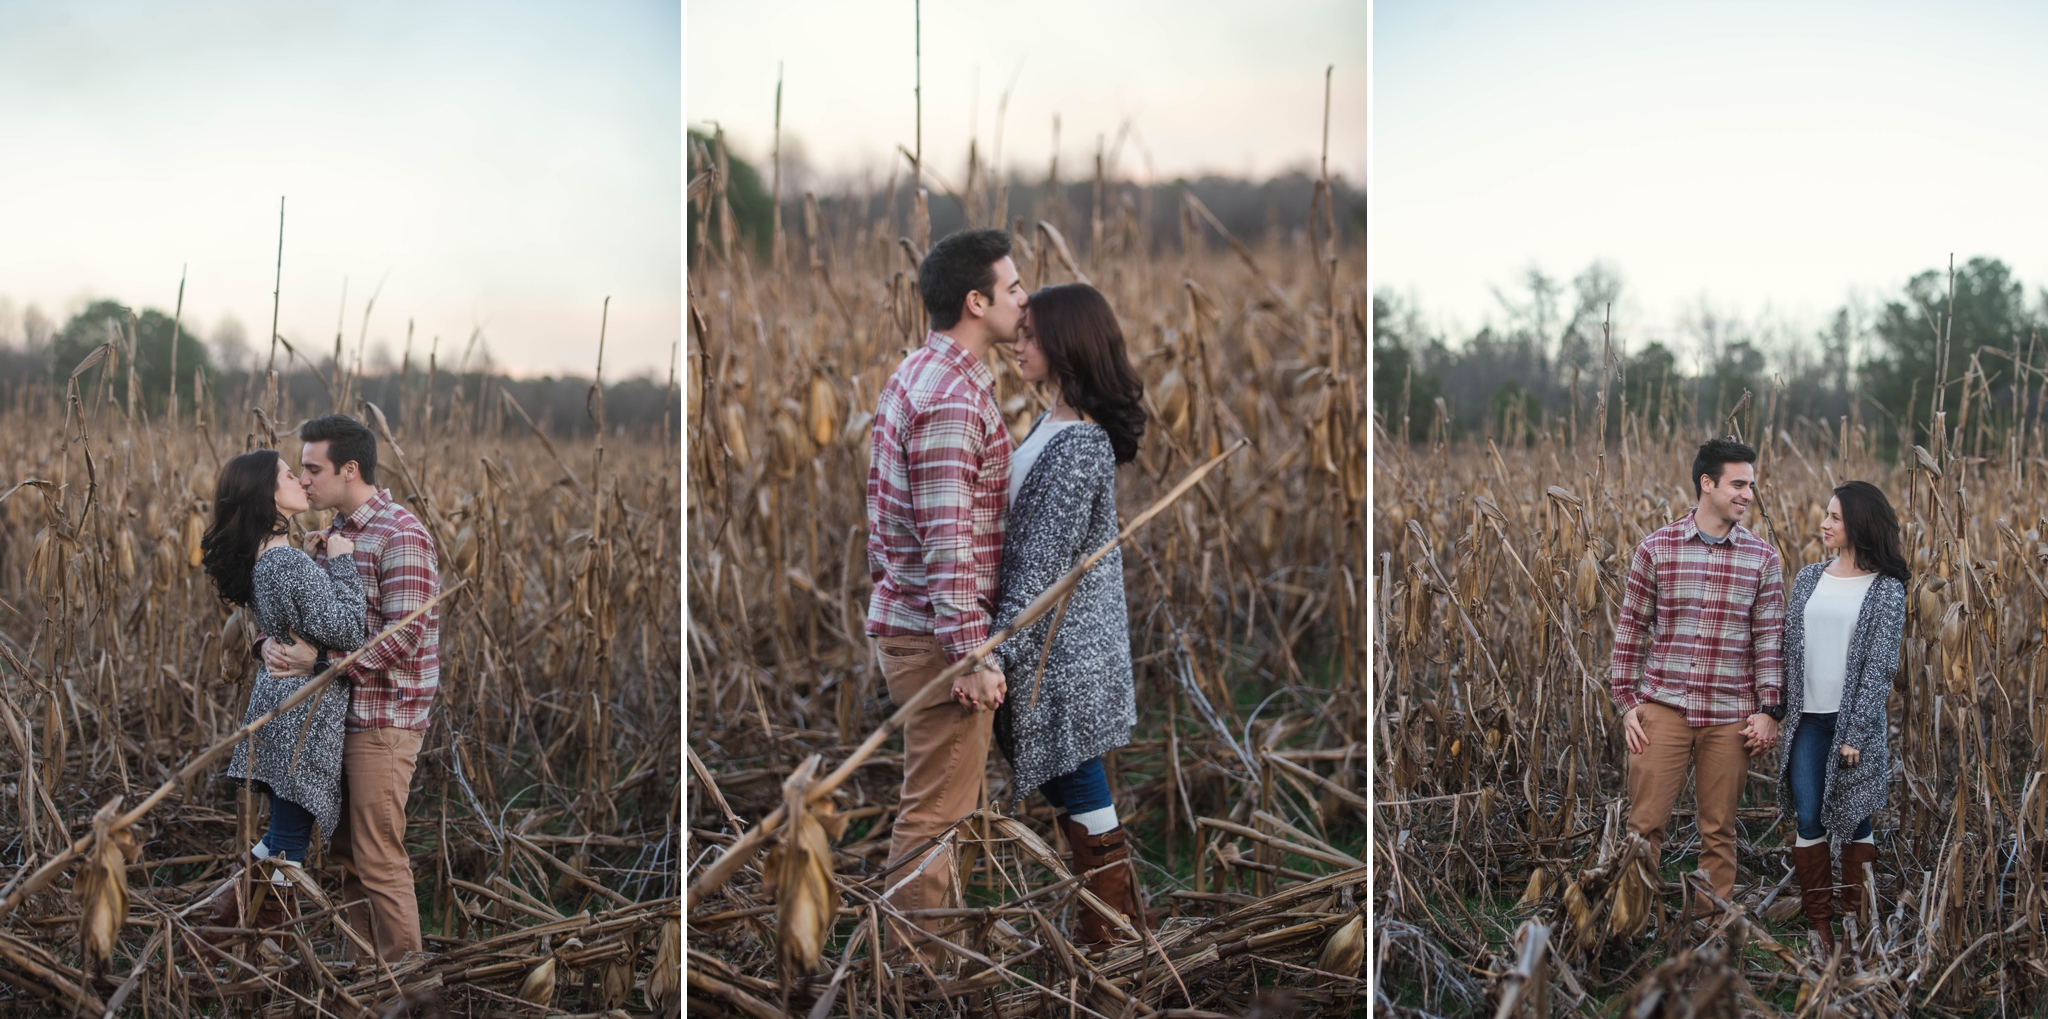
(1850, 794)
(1084, 705)
(298, 753)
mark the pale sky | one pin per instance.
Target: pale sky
(507, 165)
(1217, 85)
(1770, 157)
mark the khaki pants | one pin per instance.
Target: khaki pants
(369, 843)
(945, 755)
(1720, 765)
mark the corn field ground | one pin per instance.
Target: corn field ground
(1506, 882)
(1247, 624)
(543, 816)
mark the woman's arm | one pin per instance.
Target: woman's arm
(329, 604)
(1888, 631)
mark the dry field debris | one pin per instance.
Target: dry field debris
(543, 819)
(1507, 883)
(1245, 566)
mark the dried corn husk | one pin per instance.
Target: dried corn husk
(102, 888)
(1344, 952)
(1587, 581)
(539, 985)
(163, 565)
(665, 980)
(799, 875)
(42, 562)
(1580, 910)
(465, 549)
(615, 979)
(124, 553)
(1539, 880)
(736, 434)
(195, 529)
(789, 446)
(822, 409)
(1174, 404)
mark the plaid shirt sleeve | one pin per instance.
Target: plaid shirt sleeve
(1767, 632)
(407, 577)
(942, 447)
(1632, 628)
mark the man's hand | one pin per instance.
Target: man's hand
(289, 660)
(1632, 730)
(1760, 734)
(982, 691)
(1850, 755)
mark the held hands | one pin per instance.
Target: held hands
(1850, 755)
(981, 691)
(289, 660)
(1760, 734)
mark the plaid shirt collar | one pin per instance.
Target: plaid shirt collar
(368, 511)
(956, 355)
(1691, 530)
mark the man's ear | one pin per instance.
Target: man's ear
(974, 308)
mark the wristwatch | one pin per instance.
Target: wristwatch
(1776, 711)
(320, 665)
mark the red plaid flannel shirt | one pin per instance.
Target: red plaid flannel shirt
(395, 681)
(1712, 616)
(938, 488)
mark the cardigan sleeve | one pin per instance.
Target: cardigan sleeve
(1882, 661)
(1079, 467)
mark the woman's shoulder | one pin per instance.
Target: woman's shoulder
(1080, 440)
(283, 557)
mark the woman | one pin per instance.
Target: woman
(1843, 624)
(1070, 697)
(250, 558)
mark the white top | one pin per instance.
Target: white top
(1027, 454)
(1831, 613)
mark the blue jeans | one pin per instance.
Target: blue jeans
(291, 829)
(1084, 789)
(1810, 749)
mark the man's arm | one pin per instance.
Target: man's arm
(942, 453)
(1632, 628)
(1767, 633)
(406, 578)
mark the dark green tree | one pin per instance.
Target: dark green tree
(1397, 388)
(1649, 379)
(1990, 311)
(153, 332)
(753, 209)
(1514, 413)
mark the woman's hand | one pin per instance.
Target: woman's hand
(339, 545)
(1850, 755)
(315, 541)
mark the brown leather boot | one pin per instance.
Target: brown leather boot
(1814, 866)
(1855, 855)
(1092, 933)
(275, 904)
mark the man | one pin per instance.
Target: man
(938, 481)
(1707, 597)
(394, 681)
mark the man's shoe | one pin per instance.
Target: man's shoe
(1814, 867)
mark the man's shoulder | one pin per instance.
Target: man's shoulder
(927, 380)
(398, 521)
(1753, 543)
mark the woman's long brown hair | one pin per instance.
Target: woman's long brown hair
(1084, 352)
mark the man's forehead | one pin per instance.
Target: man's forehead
(314, 454)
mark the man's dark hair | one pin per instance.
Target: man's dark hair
(961, 262)
(1715, 454)
(346, 440)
